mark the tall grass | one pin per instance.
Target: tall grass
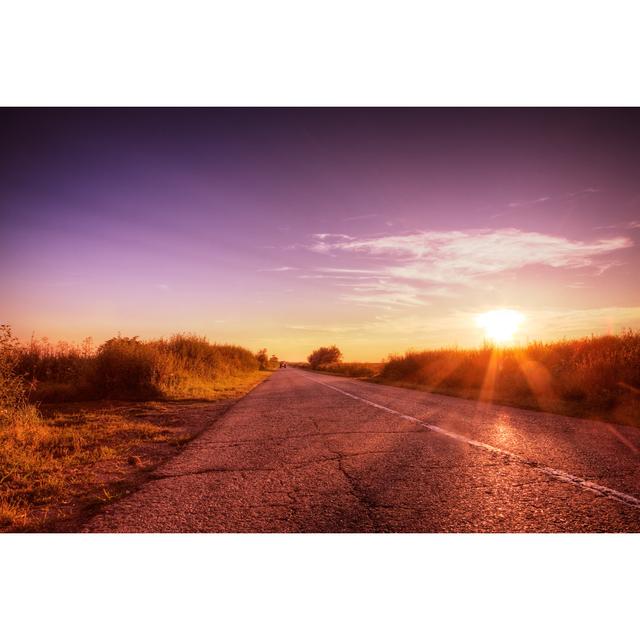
(128, 368)
(44, 462)
(592, 377)
(15, 410)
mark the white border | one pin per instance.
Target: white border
(329, 53)
(335, 52)
(319, 586)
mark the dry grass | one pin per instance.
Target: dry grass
(596, 377)
(128, 368)
(59, 463)
(59, 469)
(51, 462)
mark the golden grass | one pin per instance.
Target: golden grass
(594, 377)
(128, 368)
(50, 462)
(58, 463)
(221, 389)
(58, 468)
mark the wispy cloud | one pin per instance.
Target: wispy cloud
(456, 258)
(528, 203)
(326, 236)
(348, 271)
(280, 269)
(324, 241)
(583, 192)
(524, 204)
(384, 294)
(628, 225)
(333, 276)
(459, 256)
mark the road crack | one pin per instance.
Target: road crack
(358, 494)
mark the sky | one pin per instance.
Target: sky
(378, 230)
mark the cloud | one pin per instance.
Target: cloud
(384, 294)
(520, 204)
(461, 256)
(528, 203)
(570, 195)
(326, 236)
(583, 192)
(348, 271)
(630, 225)
(408, 269)
(280, 269)
(329, 276)
(323, 241)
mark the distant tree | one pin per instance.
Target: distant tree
(324, 356)
(262, 358)
(273, 361)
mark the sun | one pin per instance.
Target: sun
(500, 325)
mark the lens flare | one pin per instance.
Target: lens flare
(500, 325)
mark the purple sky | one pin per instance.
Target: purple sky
(376, 229)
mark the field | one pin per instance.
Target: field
(81, 427)
(595, 377)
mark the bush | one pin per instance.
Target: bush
(263, 359)
(324, 356)
(128, 368)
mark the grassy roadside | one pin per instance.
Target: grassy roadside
(58, 466)
(596, 377)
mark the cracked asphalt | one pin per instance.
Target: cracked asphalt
(297, 456)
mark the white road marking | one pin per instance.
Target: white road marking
(563, 476)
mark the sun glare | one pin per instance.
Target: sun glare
(500, 325)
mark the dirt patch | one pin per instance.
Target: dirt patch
(85, 455)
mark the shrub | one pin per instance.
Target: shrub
(324, 356)
(128, 368)
(263, 359)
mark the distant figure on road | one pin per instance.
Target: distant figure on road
(283, 365)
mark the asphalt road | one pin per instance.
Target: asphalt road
(306, 452)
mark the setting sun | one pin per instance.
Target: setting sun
(500, 325)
